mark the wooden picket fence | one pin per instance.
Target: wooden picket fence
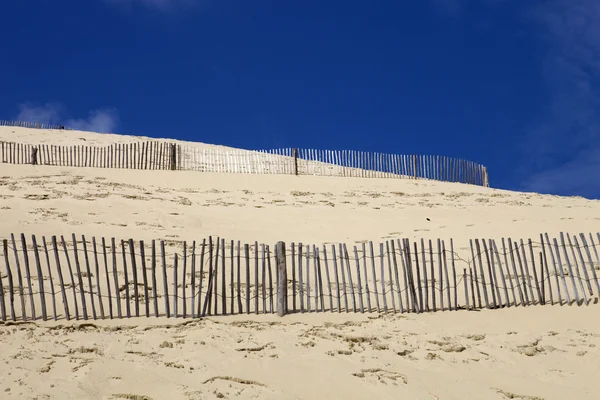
(345, 163)
(140, 155)
(77, 278)
(171, 156)
(158, 155)
(32, 125)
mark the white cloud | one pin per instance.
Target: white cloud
(564, 146)
(97, 121)
(48, 113)
(101, 120)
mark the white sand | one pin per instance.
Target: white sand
(546, 352)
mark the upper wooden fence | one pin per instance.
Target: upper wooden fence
(73, 277)
(33, 125)
(171, 156)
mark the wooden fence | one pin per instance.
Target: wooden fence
(76, 278)
(346, 163)
(32, 125)
(139, 155)
(171, 156)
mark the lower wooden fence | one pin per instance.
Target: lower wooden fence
(77, 278)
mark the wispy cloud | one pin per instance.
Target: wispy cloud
(564, 144)
(97, 121)
(101, 120)
(48, 113)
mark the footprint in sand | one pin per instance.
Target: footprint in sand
(378, 375)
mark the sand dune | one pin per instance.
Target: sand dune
(541, 352)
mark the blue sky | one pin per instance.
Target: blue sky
(511, 84)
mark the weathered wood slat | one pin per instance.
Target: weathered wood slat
(52, 291)
(28, 276)
(375, 291)
(239, 279)
(97, 267)
(590, 262)
(349, 272)
(494, 250)
(247, 253)
(232, 277)
(293, 258)
(256, 285)
(382, 279)
(300, 279)
(425, 277)
(184, 281)
(546, 269)
(342, 275)
(110, 304)
(201, 273)
(19, 277)
(419, 283)
(571, 275)
(11, 294)
(389, 259)
(145, 278)
(71, 275)
(89, 276)
(446, 275)
(126, 278)
(527, 275)
(175, 286)
(483, 283)
(154, 286)
(40, 280)
(319, 278)
(164, 274)
(585, 273)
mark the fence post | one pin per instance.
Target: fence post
(295, 161)
(486, 179)
(415, 164)
(173, 156)
(282, 279)
(34, 154)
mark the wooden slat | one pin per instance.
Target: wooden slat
(382, 279)
(52, 291)
(97, 267)
(71, 275)
(348, 271)
(223, 281)
(247, 258)
(89, 276)
(571, 275)
(154, 285)
(20, 278)
(389, 259)
(165, 282)
(126, 277)
(175, 286)
(11, 294)
(337, 280)
(145, 278)
(28, 276)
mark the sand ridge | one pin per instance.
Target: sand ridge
(539, 352)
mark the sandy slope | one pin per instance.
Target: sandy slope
(542, 352)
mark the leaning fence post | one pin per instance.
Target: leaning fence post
(282, 279)
(173, 156)
(34, 154)
(295, 161)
